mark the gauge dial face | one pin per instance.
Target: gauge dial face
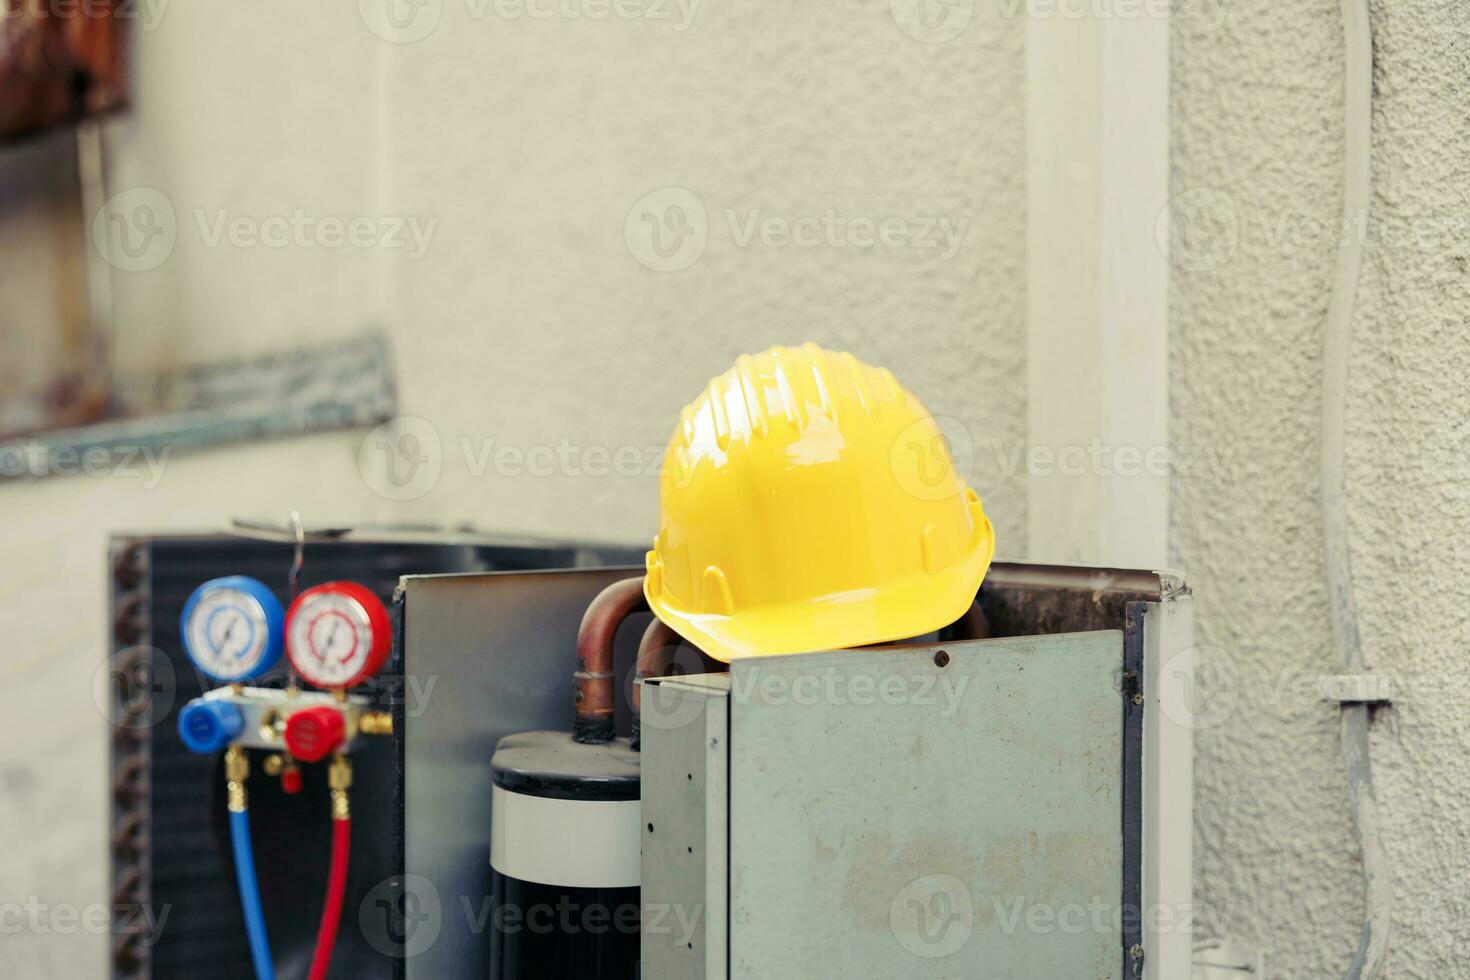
(228, 633)
(336, 634)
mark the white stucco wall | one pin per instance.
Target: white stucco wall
(527, 320)
(1257, 116)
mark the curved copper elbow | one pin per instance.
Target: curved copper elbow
(655, 656)
(594, 678)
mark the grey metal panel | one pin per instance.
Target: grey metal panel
(499, 651)
(686, 832)
(891, 817)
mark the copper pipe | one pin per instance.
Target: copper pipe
(594, 678)
(655, 656)
(655, 653)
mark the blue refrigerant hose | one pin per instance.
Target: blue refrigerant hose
(260, 947)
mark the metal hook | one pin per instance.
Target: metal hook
(293, 582)
(299, 531)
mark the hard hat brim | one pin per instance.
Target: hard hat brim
(897, 611)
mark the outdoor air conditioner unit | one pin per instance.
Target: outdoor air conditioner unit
(1014, 807)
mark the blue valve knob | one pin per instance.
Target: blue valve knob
(209, 726)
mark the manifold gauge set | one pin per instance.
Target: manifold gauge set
(335, 636)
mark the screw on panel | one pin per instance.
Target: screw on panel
(941, 659)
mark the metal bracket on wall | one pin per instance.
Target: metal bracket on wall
(345, 384)
(1372, 689)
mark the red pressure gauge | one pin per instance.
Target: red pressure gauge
(337, 634)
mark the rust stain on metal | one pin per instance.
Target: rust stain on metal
(56, 69)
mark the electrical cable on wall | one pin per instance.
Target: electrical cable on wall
(1357, 187)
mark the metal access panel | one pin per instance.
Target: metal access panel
(980, 809)
(912, 812)
(494, 655)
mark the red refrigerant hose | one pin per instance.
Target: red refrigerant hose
(340, 778)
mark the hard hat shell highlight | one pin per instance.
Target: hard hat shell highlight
(809, 502)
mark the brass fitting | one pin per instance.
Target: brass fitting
(339, 778)
(273, 764)
(375, 723)
(237, 770)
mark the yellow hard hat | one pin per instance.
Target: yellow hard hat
(809, 502)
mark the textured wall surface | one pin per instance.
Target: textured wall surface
(527, 320)
(1257, 122)
(533, 140)
(530, 321)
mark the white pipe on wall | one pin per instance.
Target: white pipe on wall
(1097, 145)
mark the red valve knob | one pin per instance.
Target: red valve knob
(312, 734)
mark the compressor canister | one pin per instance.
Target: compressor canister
(564, 859)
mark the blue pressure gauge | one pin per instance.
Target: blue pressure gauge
(233, 628)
